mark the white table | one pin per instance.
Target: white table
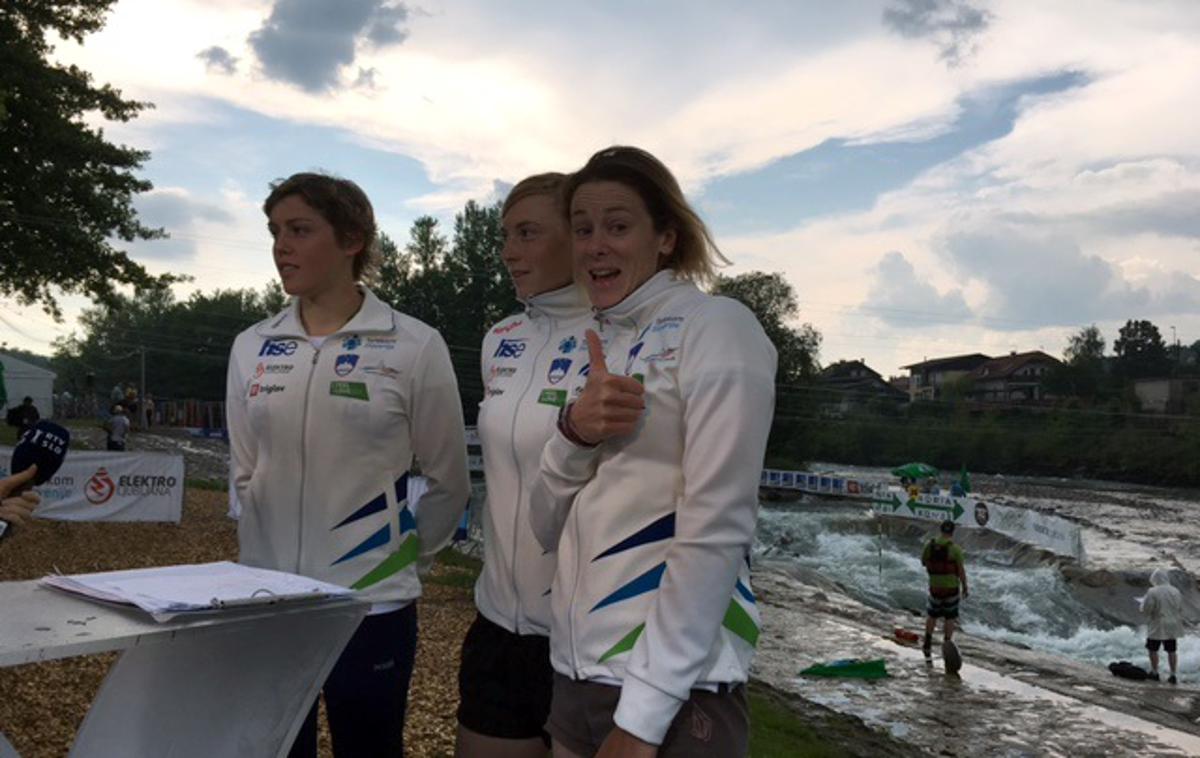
(233, 683)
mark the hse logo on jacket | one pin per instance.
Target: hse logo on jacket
(321, 442)
(654, 530)
(524, 359)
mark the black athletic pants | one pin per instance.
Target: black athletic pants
(366, 694)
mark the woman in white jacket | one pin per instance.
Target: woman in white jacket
(505, 675)
(649, 490)
(328, 404)
(1163, 606)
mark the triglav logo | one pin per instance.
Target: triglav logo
(100, 488)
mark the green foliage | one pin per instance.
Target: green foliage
(1086, 347)
(65, 192)
(774, 302)
(1141, 351)
(186, 343)
(458, 288)
(1110, 442)
(778, 732)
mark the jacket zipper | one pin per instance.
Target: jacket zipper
(550, 325)
(304, 456)
(578, 552)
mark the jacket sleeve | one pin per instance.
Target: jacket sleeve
(565, 468)
(440, 445)
(727, 383)
(242, 451)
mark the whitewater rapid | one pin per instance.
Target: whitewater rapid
(1021, 602)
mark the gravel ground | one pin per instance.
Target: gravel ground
(43, 704)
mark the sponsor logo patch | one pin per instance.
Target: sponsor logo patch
(352, 342)
(501, 371)
(667, 322)
(273, 348)
(558, 370)
(382, 370)
(508, 327)
(272, 368)
(352, 390)
(666, 354)
(345, 364)
(100, 488)
(379, 343)
(257, 389)
(494, 391)
(567, 345)
(510, 349)
(557, 398)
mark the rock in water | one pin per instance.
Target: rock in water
(951, 657)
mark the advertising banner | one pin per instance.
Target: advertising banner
(1044, 530)
(111, 486)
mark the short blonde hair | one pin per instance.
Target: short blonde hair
(549, 183)
(696, 256)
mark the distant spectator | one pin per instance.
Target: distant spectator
(148, 409)
(1163, 607)
(131, 406)
(117, 427)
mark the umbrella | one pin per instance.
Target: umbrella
(915, 471)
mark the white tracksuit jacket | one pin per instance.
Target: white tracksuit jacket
(527, 361)
(321, 442)
(654, 530)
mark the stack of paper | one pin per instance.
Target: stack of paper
(167, 591)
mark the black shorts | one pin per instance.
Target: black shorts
(1168, 645)
(504, 682)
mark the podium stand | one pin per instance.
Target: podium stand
(229, 683)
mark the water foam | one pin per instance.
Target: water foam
(1030, 606)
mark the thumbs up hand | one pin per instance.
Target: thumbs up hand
(610, 404)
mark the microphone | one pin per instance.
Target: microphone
(46, 445)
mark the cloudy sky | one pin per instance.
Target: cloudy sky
(932, 176)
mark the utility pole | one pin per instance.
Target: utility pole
(142, 396)
(1175, 343)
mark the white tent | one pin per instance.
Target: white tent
(23, 380)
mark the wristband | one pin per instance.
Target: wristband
(567, 429)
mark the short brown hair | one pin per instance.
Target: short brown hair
(549, 183)
(696, 256)
(343, 204)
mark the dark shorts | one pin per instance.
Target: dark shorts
(114, 445)
(708, 724)
(504, 682)
(1153, 645)
(943, 607)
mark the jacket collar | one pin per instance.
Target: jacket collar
(373, 316)
(558, 304)
(632, 310)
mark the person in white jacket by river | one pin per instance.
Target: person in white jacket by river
(1163, 607)
(328, 404)
(649, 488)
(505, 676)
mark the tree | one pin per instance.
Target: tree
(484, 294)
(1141, 351)
(1082, 371)
(773, 302)
(65, 192)
(1085, 348)
(186, 343)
